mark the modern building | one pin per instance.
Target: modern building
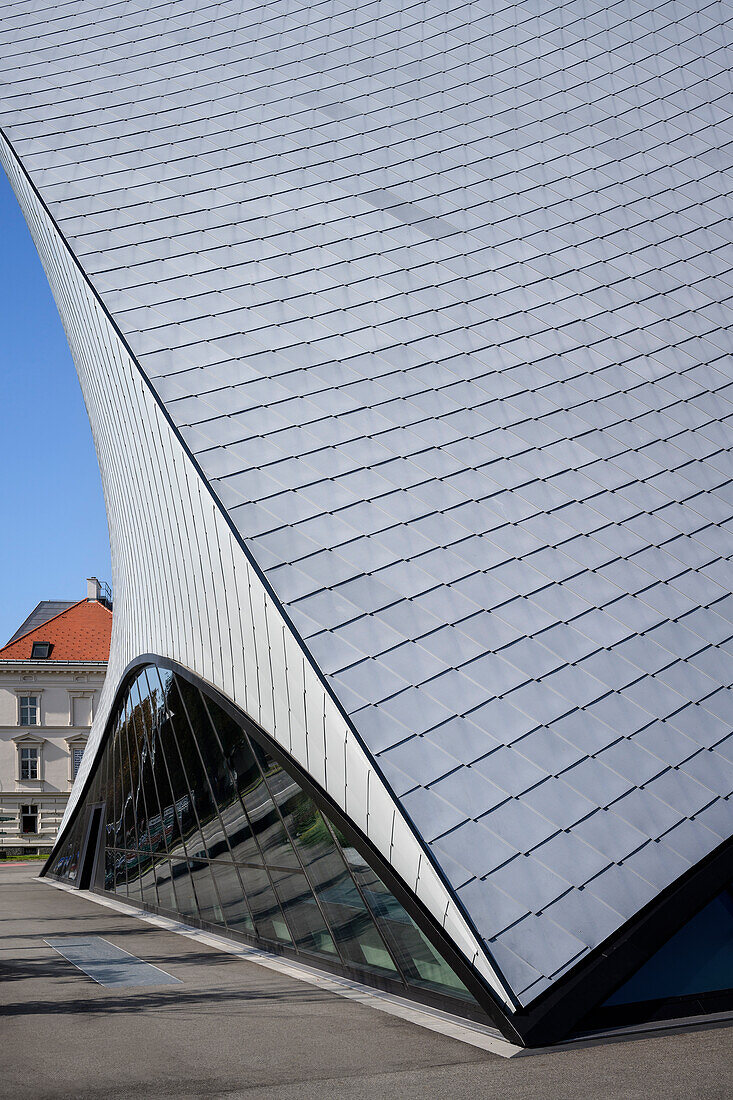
(403, 332)
(51, 676)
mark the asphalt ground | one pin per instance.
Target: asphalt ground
(236, 1029)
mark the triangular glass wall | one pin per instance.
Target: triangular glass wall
(202, 822)
(691, 974)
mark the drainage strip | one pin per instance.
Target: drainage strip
(108, 965)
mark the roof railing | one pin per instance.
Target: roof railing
(99, 590)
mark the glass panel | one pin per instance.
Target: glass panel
(132, 866)
(186, 899)
(272, 923)
(28, 763)
(128, 783)
(138, 757)
(147, 878)
(697, 959)
(75, 846)
(115, 837)
(170, 818)
(28, 710)
(153, 837)
(214, 774)
(109, 869)
(268, 917)
(242, 844)
(245, 774)
(181, 805)
(267, 825)
(206, 893)
(209, 751)
(120, 862)
(69, 852)
(60, 865)
(164, 884)
(418, 960)
(304, 918)
(359, 942)
(231, 894)
(203, 821)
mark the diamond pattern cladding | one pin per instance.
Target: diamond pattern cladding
(438, 295)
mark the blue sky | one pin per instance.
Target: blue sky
(53, 531)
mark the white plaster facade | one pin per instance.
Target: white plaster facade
(67, 693)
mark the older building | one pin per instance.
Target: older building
(51, 674)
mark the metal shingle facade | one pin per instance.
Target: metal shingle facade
(437, 296)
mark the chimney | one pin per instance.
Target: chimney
(94, 588)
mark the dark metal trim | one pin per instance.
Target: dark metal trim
(91, 839)
(647, 1012)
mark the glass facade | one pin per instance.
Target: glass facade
(201, 821)
(696, 960)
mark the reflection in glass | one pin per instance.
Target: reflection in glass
(302, 912)
(146, 871)
(697, 959)
(179, 813)
(129, 787)
(120, 870)
(268, 916)
(167, 898)
(66, 864)
(246, 777)
(183, 887)
(204, 823)
(117, 762)
(205, 890)
(231, 894)
(420, 963)
(193, 766)
(344, 907)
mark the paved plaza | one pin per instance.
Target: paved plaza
(234, 1028)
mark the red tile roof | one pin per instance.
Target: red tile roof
(80, 633)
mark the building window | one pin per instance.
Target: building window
(29, 818)
(40, 651)
(28, 762)
(76, 758)
(75, 747)
(28, 710)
